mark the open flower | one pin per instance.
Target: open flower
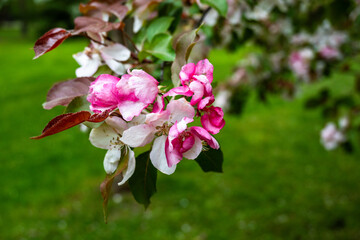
(97, 55)
(107, 136)
(131, 94)
(186, 142)
(157, 125)
(196, 83)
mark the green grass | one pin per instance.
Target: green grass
(278, 181)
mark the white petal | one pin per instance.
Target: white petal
(117, 52)
(103, 137)
(137, 24)
(111, 160)
(194, 152)
(114, 65)
(117, 123)
(130, 168)
(89, 67)
(158, 157)
(138, 136)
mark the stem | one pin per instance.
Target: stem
(202, 17)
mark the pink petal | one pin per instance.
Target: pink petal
(179, 109)
(195, 150)
(204, 67)
(186, 73)
(205, 135)
(198, 89)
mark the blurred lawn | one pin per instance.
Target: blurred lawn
(278, 181)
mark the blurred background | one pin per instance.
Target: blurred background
(278, 182)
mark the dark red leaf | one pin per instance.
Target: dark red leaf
(63, 93)
(50, 40)
(69, 120)
(95, 25)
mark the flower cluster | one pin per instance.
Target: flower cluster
(140, 116)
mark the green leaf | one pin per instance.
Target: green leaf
(183, 47)
(220, 5)
(143, 181)
(161, 48)
(159, 25)
(105, 186)
(211, 160)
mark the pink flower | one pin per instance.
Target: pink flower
(103, 94)
(131, 94)
(182, 142)
(213, 119)
(137, 90)
(329, 53)
(196, 82)
(300, 62)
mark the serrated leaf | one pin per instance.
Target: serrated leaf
(143, 181)
(159, 25)
(183, 47)
(211, 160)
(220, 5)
(160, 47)
(105, 186)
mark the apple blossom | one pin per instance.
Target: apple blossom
(103, 94)
(107, 136)
(331, 137)
(136, 90)
(213, 119)
(196, 82)
(93, 57)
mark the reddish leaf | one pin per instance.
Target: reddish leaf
(50, 40)
(105, 186)
(63, 93)
(69, 120)
(95, 25)
(116, 8)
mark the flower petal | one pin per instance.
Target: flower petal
(205, 135)
(111, 160)
(117, 52)
(179, 109)
(158, 157)
(103, 136)
(138, 136)
(196, 149)
(129, 171)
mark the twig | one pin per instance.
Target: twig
(202, 17)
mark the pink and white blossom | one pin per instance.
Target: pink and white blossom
(131, 94)
(186, 142)
(213, 119)
(136, 91)
(196, 83)
(103, 94)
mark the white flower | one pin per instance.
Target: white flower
(331, 137)
(96, 55)
(107, 136)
